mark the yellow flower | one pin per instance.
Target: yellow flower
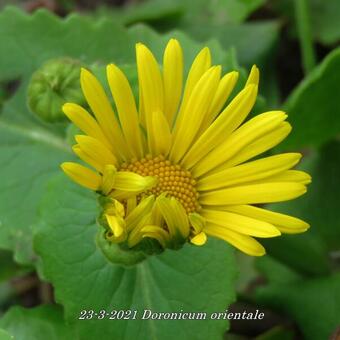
(177, 168)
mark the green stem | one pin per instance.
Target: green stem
(305, 34)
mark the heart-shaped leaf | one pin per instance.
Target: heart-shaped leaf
(193, 279)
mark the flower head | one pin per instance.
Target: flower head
(178, 168)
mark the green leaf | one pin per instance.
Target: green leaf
(30, 150)
(319, 207)
(105, 41)
(75, 37)
(146, 11)
(239, 10)
(313, 106)
(29, 154)
(175, 12)
(246, 271)
(322, 206)
(40, 323)
(294, 250)
(276, 271)
(5, 336)
(219, 11)
(324, 16)
(8, 267)
(196, 279)
(204, 20)
(314, 304)
(253, 41)
(277, 333)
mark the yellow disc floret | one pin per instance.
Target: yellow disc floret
(172, 180)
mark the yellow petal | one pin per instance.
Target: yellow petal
(197, 222)
(126, 107)
(244, 243)
(141, 109)
(160, 137)
(96, 150)
(88, 158)
(240, 224)
(286, 224)
(130, 181)
(156, 215)
(136, 235)
(290, 176)
(259, 146)
(253, 171)
(231, 117)
(115, 208)
(109, 178)
(199, 66)
(254, 76)
(157, 233)
(172, 79)
(82, 175)
(180, 216)
(85, 122)
(131, 204)
(101, 107)
(245, 135)
(191, 117)
(150, 82)
(142, 209)
(175, 217)
(254, 193)
(199, 239)
(225, 86)
(117, 227)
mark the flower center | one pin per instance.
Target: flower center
(172, 179)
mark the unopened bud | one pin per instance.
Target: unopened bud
(115, 253)
(51, 86)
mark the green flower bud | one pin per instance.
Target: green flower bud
(115, 253)
(51, 86)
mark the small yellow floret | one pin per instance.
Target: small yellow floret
(172, 179)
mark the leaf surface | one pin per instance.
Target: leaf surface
(193, 279)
